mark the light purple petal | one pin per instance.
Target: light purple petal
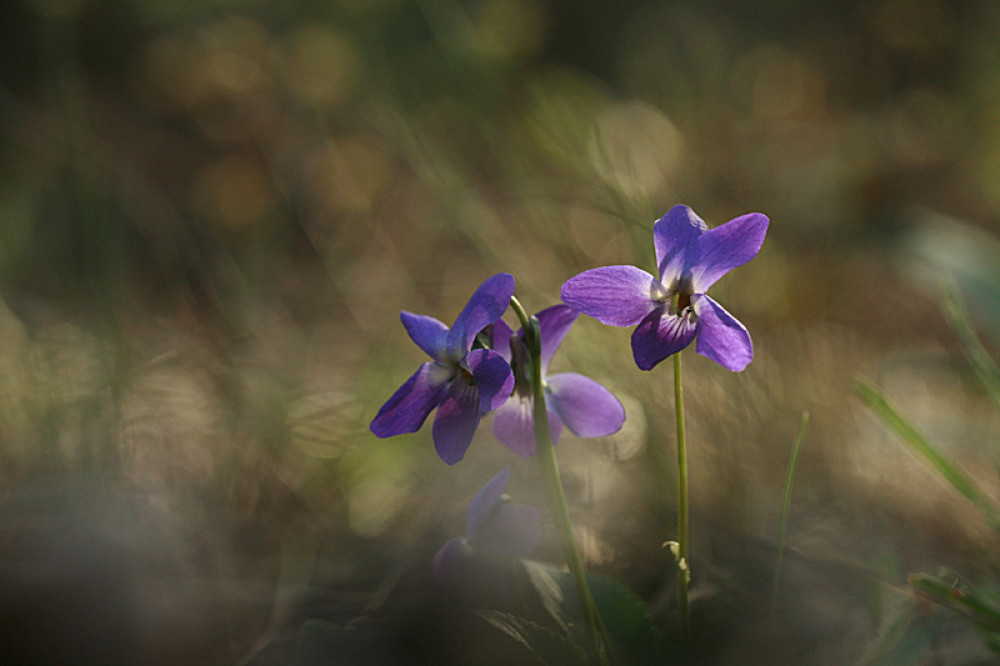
(721, 337)
(502, 334)
(514, 531)
(514, 426)
(450, 556)
(660, 335)
(554, 323)
(486, 306)
(429, 333)
(587, 408)
(672, 234)
(409, 406)
(485, 501)
(456, 421)
(725, 247)
(493, 377)
(613, 295)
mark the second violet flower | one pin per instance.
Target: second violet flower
(581, 404)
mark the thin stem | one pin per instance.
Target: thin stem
(785, 506)
(683, 546)
(596, 633)
(522, 314)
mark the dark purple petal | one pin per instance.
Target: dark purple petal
(456, 421)
(485, 501)
(719, 250)
(554, 323)
(587, 408)
(486, 306)
(660, 335)
(514, 531)
(672, 234)
(721, 337)
(492, 375)
(450, 556)
(613, 295)
(429, 334)
(409, 406)
(514, 426)
(502, 334)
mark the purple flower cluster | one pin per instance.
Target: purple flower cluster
(465, 380)
(480, 365)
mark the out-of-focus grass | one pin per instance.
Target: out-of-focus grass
(211, 215)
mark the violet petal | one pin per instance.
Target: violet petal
(613, 295)
(514, 426)
(485, 501)
(721, 337)
(587, 408)
(672, 234)
(660, 335)
(502, 334)
(449, 557)
(492, 375)
(554, 323)
(456, 421)
(427, 332)
(487, 304)
(719, 250)
(409, 406)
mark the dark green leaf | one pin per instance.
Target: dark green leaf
(543, 645)
(632, 635)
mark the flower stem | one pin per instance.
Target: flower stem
(683, 552)
(594, 627)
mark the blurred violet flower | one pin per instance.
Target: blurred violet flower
(584, 406)
(494, 529)
(672, 311)
(463, 382)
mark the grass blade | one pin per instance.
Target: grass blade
(982, 363)
(786, 505)
(952, 591)
(919, 444)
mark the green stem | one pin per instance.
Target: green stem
(683, 546)
(522, 314)
(594, 627)
(786, 506)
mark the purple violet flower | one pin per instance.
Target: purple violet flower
(584, 406)
(463, 382)
(494, 528)
(672, 311)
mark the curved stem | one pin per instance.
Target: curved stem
(522, 314)
(683, 552)
(596, 633)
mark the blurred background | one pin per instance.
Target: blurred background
(212, 212)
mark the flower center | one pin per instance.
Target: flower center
(442, 373)
(467, 376)
(680, 304)
(683, 301)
